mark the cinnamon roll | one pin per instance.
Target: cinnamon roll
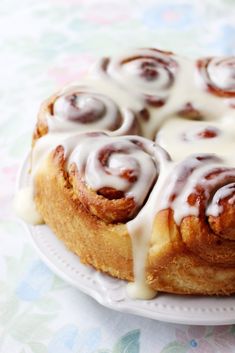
(159, 214)
(219, 76)
(149, 72)
(84, 109)
(178, 135)
(197, 253)
(98, 183)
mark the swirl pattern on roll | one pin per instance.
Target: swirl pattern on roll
(96, 156)
(94, 111)
(149, 72)
(218, 75)
(204, 187)
(83, 109)
(113, 175)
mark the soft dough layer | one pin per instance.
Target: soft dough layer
(134, 169)
(172, 267)
(107, 247)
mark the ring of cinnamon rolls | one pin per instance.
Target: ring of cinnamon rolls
(134, 170)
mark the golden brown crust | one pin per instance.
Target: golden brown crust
(224, 224)
(109, 208)
(199, 238)
(41, 127)
(196, 257)
(172, 265)
(107, 247)
(174, 268)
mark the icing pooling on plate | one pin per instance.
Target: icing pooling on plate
(25, 207)
(154, 94)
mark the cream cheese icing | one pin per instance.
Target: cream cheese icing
(25, 207)
(156, 95)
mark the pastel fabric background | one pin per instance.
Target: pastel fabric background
(43, 45)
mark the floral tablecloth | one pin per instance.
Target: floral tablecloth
(45, 44)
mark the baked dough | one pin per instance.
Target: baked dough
(133, 169)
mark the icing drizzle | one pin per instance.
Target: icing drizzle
(187, 106)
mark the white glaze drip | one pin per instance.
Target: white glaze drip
(140, 230)
(25, 207)
(122, 86)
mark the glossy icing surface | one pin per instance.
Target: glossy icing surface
(185, 106)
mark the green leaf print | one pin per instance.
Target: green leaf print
(37, 347)
(12, 268)
(26, 325)
(42, 333)
(58, 284)
(48, 305)
(3, 287)
(129, 343)
(229, 2)
(11, 228)
(8, 310)
(174, 347)
(20, 146)
(26, 257)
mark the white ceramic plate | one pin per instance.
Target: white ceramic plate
(111, 292)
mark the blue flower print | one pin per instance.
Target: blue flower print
(222, 42)
(70, 340)
(193, 343)
(35, 283)
(226, 40)
(180, 17)
(65, 340)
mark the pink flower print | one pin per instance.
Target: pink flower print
(8, 175)
(71, 68)
(11, 172)
(224, 340)
(107, 14)
(70, 2)
(194, 339)
(171, 16)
